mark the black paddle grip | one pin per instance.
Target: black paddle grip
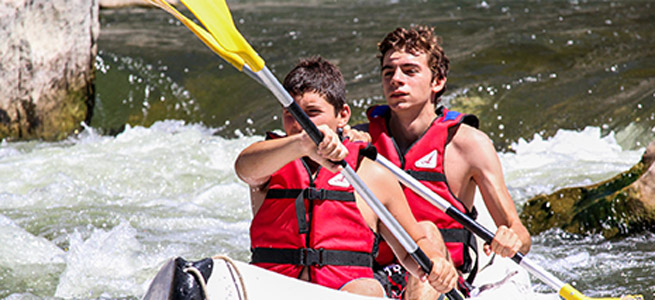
(477, 229)
(309, 126)
(422, 260)
(426, 265)
(304, 121)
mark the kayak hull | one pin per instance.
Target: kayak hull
(498, 278)
(235, 280)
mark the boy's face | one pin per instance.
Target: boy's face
(319, 110)
(407, 80)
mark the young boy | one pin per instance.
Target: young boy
(308, 221)
(442, 149)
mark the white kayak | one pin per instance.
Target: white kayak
(235, 280)
(499, 278)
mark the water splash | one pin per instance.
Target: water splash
(569, 158)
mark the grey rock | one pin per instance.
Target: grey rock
(47, 67)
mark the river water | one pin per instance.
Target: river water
(565, 89)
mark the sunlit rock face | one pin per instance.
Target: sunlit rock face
(47, 67)
(620, 206)
(123, 3)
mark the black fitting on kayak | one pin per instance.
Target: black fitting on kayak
(186, 284)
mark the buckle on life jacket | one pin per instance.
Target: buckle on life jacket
(311, 257)
(313, 194)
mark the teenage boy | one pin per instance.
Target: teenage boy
(308, 221)
(442, 149)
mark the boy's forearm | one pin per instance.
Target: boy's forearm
(259, 161)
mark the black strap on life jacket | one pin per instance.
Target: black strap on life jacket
(312, 257)
(427, 176)
(467, 238)
(309, 193)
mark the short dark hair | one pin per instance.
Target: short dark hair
(318, 75)
(418, 39)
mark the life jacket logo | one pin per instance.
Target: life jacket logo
(428, 162)
(339, 180)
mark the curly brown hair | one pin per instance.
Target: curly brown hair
(416, 40)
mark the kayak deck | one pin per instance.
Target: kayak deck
(235, 280)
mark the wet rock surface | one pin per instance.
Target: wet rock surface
(620, 206)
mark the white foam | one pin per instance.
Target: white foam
(19, 247)
(107, 263)
(566, 159)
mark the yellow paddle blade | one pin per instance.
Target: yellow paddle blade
(201, 33)
(568, 292)
(216, 17)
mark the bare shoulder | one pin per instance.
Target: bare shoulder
(470, 137)
(472, 141)
(474, 147)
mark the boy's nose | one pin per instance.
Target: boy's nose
(397, 78)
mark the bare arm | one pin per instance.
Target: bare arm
(259, 161)
(486, 171)
(387, 189)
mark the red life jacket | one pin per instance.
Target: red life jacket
(313, 222)
(424, 161)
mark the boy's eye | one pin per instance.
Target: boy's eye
(411, 71)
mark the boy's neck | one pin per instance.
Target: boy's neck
(406, 127)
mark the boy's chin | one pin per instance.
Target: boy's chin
(398, 106)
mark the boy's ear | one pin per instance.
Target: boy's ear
(438, 84)
(343, 116)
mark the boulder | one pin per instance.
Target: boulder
(47, 67)
(124, 3)
(622, 205)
